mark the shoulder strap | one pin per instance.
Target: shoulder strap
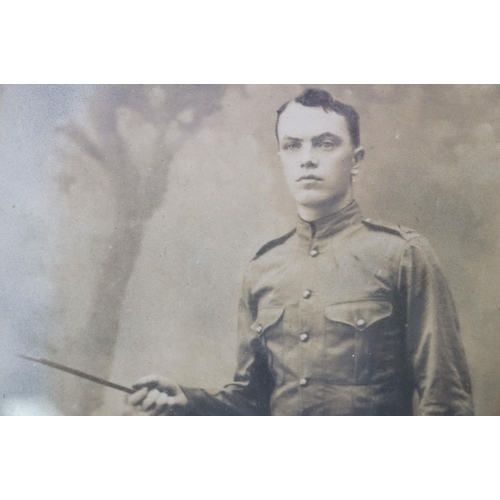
(396, 229)
(273, 243)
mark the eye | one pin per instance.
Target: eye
(327, 145)
(290, 146)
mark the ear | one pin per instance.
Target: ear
(357, 156)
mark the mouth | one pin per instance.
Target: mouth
(309, 177)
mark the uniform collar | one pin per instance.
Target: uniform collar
(327, 226)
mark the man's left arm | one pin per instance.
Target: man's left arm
(435, 350)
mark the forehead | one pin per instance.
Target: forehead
(305, 122)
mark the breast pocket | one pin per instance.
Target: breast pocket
(269, 327)
(362, 334)
(267, 320)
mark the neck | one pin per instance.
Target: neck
(312, 213)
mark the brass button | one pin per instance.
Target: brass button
(304, 337)
(360, 322)
(306, 294)
(303, 382)
(313, 252)
(259, 328)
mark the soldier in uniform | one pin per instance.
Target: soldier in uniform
(341, 316)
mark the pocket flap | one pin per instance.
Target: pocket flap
(267, 317)
(359, 314)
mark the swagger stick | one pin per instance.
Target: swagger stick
(78, 373)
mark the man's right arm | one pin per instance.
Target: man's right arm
(248, 394)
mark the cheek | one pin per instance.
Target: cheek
(340, 167)
(289, 170)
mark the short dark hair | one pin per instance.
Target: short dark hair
(321, 98)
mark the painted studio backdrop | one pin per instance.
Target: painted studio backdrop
(128, 214)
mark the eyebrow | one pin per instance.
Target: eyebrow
(327, 135)
(317, 139)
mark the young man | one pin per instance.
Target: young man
(341, 316)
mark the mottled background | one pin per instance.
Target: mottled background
(127, 214)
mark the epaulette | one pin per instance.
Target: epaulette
(404, 232)
(274, 243)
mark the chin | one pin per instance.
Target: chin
(310, 200)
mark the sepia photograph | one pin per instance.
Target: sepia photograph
(250, 250)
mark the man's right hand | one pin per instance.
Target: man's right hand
(158, 395)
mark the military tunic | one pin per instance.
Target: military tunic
(344, 316)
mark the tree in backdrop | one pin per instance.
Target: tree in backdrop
(122, 146)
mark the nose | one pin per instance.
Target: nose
(307, 159)
(309, 164)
